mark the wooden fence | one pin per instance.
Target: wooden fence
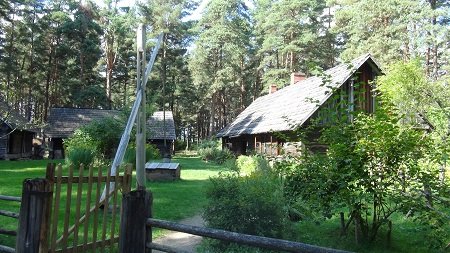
(135, 235)
(4, 248)
(65, 213)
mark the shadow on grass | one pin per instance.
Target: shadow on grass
(407, 236)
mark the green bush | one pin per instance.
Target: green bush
(80, 148)
(80, 156)
(252, 205)
(209, 143)
(180, 145)
(249, 164)
(100, 137)
(151, 153)
(216, 155)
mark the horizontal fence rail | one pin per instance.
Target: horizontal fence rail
(3, 248)
(251, 240)
(6, 249)
(10, 198)
(9, 214)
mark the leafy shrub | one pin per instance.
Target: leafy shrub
(249, 164)
(216, 155)
(180, 145)
(106, 134)
(80, 156)
(253, 205)
(151, 153)
(209, 143)
(100, 137)
(80, 140)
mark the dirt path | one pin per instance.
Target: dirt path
(182, 241)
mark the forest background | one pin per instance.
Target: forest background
(67, 53)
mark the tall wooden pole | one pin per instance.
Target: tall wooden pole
(141, 117)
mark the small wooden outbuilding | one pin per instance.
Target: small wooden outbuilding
(161, 132)
(62, 123)
(16, 134)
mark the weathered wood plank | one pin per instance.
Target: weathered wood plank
(6, 249)
(55, 219)
(105, 208)
(251, 240)
(9, 214)
(46, 222)
(136, 207)
(113, 215)
(8, 232)
(78, 206)
(89, 246)
(10, 198)
(35, 196)
(88, 212)
(97, 203)
(67, 209)
(75, 180)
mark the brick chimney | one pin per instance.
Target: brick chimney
(273, 88)
(297, 76)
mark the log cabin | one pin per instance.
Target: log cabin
(267, 126)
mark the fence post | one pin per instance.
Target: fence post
(33, 230)
(136, 209)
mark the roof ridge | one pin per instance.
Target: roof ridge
(292, 105)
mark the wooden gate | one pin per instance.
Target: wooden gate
(80, 221)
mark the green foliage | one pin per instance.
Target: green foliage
(180, 145)
(80, 148)
(106, 134)
(99, 137)
(373, 167)
(286, 31)
(209, 143)
(79, 156)
(247, 165)
(253, 205)
(216, 155)
(399, 29)
(151, 153)
(80, 140)
(421, 102)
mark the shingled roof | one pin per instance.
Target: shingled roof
(62, 122)
(292, 106)
(14, 119)
(155, 126)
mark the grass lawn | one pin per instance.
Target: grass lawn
(172, 200)
(184, 198)
(407, 236)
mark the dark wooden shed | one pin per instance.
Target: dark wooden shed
(16, 134)
(62, 123)
(161, 132)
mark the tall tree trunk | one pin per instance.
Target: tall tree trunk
(212, 116)
(47, 84)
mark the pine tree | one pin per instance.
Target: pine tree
(293, 36)
(219, 61)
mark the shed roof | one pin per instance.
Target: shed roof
(62, 122)
(13, 119)
(290, 107)
(155, 126)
